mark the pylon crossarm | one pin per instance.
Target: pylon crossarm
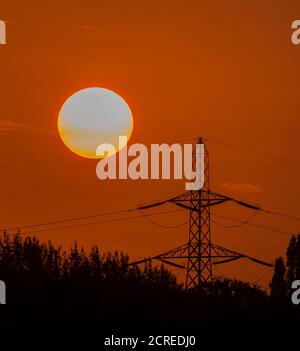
(152, 205)
(207, 203)
(183, 205)
(217, 252)
(135, 263)
(208, 199)
(241, 203)
(220, 251)
(186, 196)
(178, 252)
(228, 260)
(255, 260)
(223, 252)
(172, 263)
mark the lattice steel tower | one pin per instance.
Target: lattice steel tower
(199, 265)
(199, 254)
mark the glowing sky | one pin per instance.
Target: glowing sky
(224, 70)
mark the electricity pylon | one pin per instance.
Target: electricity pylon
(199, 252)
(199, 263)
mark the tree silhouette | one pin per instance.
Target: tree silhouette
(278, 284)
(79, 289)
(291, 255)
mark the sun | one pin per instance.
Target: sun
(91, 117)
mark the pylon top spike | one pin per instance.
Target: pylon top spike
(200, 140)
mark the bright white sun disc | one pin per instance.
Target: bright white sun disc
(92, 117)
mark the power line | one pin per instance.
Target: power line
(255, 225)
(34, 225)
(66, 220)
(10, 165)
(235, 225)
(28, 163)
(275, 213)
(256, 208)
(142, 216)
(164, 225)
(101, 222)
(240, 148)
(281, 214)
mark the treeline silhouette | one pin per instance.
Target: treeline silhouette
(286, 271)
(50, 287)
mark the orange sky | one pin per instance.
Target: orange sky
(226, 70)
